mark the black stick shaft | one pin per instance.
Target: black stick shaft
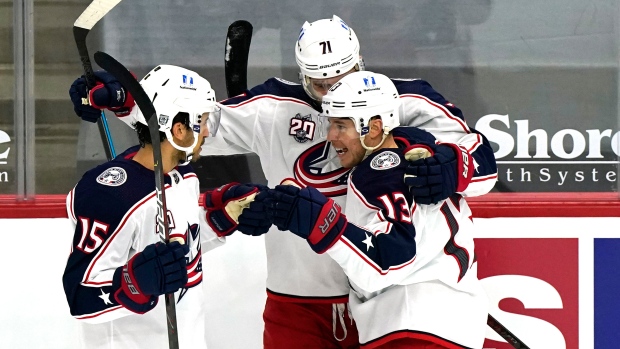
(79, 35)
(143, 101)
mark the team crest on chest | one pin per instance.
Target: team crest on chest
(384, 161)
(319, 167)
(113, 176)
(302, 128)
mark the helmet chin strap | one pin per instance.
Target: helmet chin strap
(370, 149)
(188, 151)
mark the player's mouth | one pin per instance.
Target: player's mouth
(341, 151)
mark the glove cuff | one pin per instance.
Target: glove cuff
(121, 297)
(121, 112)
(129, 285)
(328, 227)
(220, 222)
(214, 198)
(217, 218)
(100, 89)
(126, 299)
(330, 238)
(464, 167)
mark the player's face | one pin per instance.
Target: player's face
(346, 140)
(204, 133)
(319, 87)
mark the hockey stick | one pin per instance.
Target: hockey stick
(238, 40)
(504, 333)
(143, 101)
(82, 26)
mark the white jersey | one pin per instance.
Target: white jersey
(281, 124)
(113, 211)
(411, 267)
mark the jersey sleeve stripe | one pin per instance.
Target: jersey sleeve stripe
(100, 253)
(70, 209)
(484, 178)
(380, 214)
(94, 315)
(440, 107)
(371, 263)
(256, 98)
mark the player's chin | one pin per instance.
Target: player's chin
(347, 163)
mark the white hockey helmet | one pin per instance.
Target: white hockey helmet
(361, 96)
(324, 49)
(174, 90)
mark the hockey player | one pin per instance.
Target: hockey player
(118, 268)
(279, 121)
(411, 267)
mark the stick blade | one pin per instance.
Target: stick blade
(238, 39)
(94, 12)
(505, 333)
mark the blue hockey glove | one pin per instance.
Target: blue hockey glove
(108, 93)
(441, 171)
(231, 207)
(307, 213)
(253, 219)
(158, 269)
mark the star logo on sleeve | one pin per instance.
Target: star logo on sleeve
(368, 242)
(105, 297)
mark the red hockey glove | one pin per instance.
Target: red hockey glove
(231, 207)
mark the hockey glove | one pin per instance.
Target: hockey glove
(437, 171)
(307, 213)
(107, 93)
(225, 205)
(158, 269)
(253, 220)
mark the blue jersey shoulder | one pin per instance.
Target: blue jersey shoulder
(379, 174)
(108, 191)
(131, 151)
(410, 135)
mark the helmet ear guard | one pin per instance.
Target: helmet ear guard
(325, 49)
(175, 90)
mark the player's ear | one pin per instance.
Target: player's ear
(178, 130)
(376, 127)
